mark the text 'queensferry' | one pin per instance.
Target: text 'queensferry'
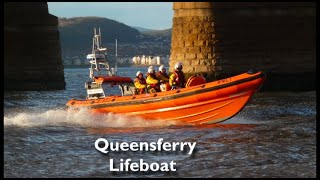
(104, 146)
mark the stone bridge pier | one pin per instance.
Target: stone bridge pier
(193, 38)
(220, 39)
(32, 54)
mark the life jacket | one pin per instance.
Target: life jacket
(153, 78)
(141, 81)
(159, 74)
(180, 80)
(156, 86)
(153, 75)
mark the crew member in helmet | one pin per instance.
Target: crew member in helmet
(164, 79)
(177, 79)
(153, 84)
(140, 83)
(162, 74)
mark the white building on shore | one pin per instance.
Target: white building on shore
(143, 60)
(146, 60)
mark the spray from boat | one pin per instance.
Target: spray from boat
(81, 118)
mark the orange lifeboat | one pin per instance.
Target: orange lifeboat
(205, 103)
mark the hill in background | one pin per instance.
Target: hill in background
(76, 38)
(78, 32)
(141, 29)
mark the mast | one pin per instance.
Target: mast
(116, 57)
(97, 58)
(94, 51)
(99, 36)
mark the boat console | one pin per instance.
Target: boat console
(94, 90)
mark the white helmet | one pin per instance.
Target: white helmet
(150, 69)
(139, 72)
(178, 65)
(161, 67)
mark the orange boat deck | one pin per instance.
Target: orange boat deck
(202, 104)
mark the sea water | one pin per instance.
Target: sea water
(273, 136)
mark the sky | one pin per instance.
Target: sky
(151, 15)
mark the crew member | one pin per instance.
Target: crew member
(140, 83)
(164, 79)
(162, 74)
(153, 84)
(177, 79)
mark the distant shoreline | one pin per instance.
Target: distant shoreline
(76, 66)
(88, 66)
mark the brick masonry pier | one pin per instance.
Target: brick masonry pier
(220, 39)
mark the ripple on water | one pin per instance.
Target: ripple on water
(273, 136)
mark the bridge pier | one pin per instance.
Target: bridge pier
(32, 57)
(221, 39)
(193, 38)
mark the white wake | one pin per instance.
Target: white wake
(82, 118)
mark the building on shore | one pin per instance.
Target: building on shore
(146, 60)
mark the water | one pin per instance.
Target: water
(273, 136)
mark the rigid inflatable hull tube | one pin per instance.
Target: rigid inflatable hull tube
(202, 104)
